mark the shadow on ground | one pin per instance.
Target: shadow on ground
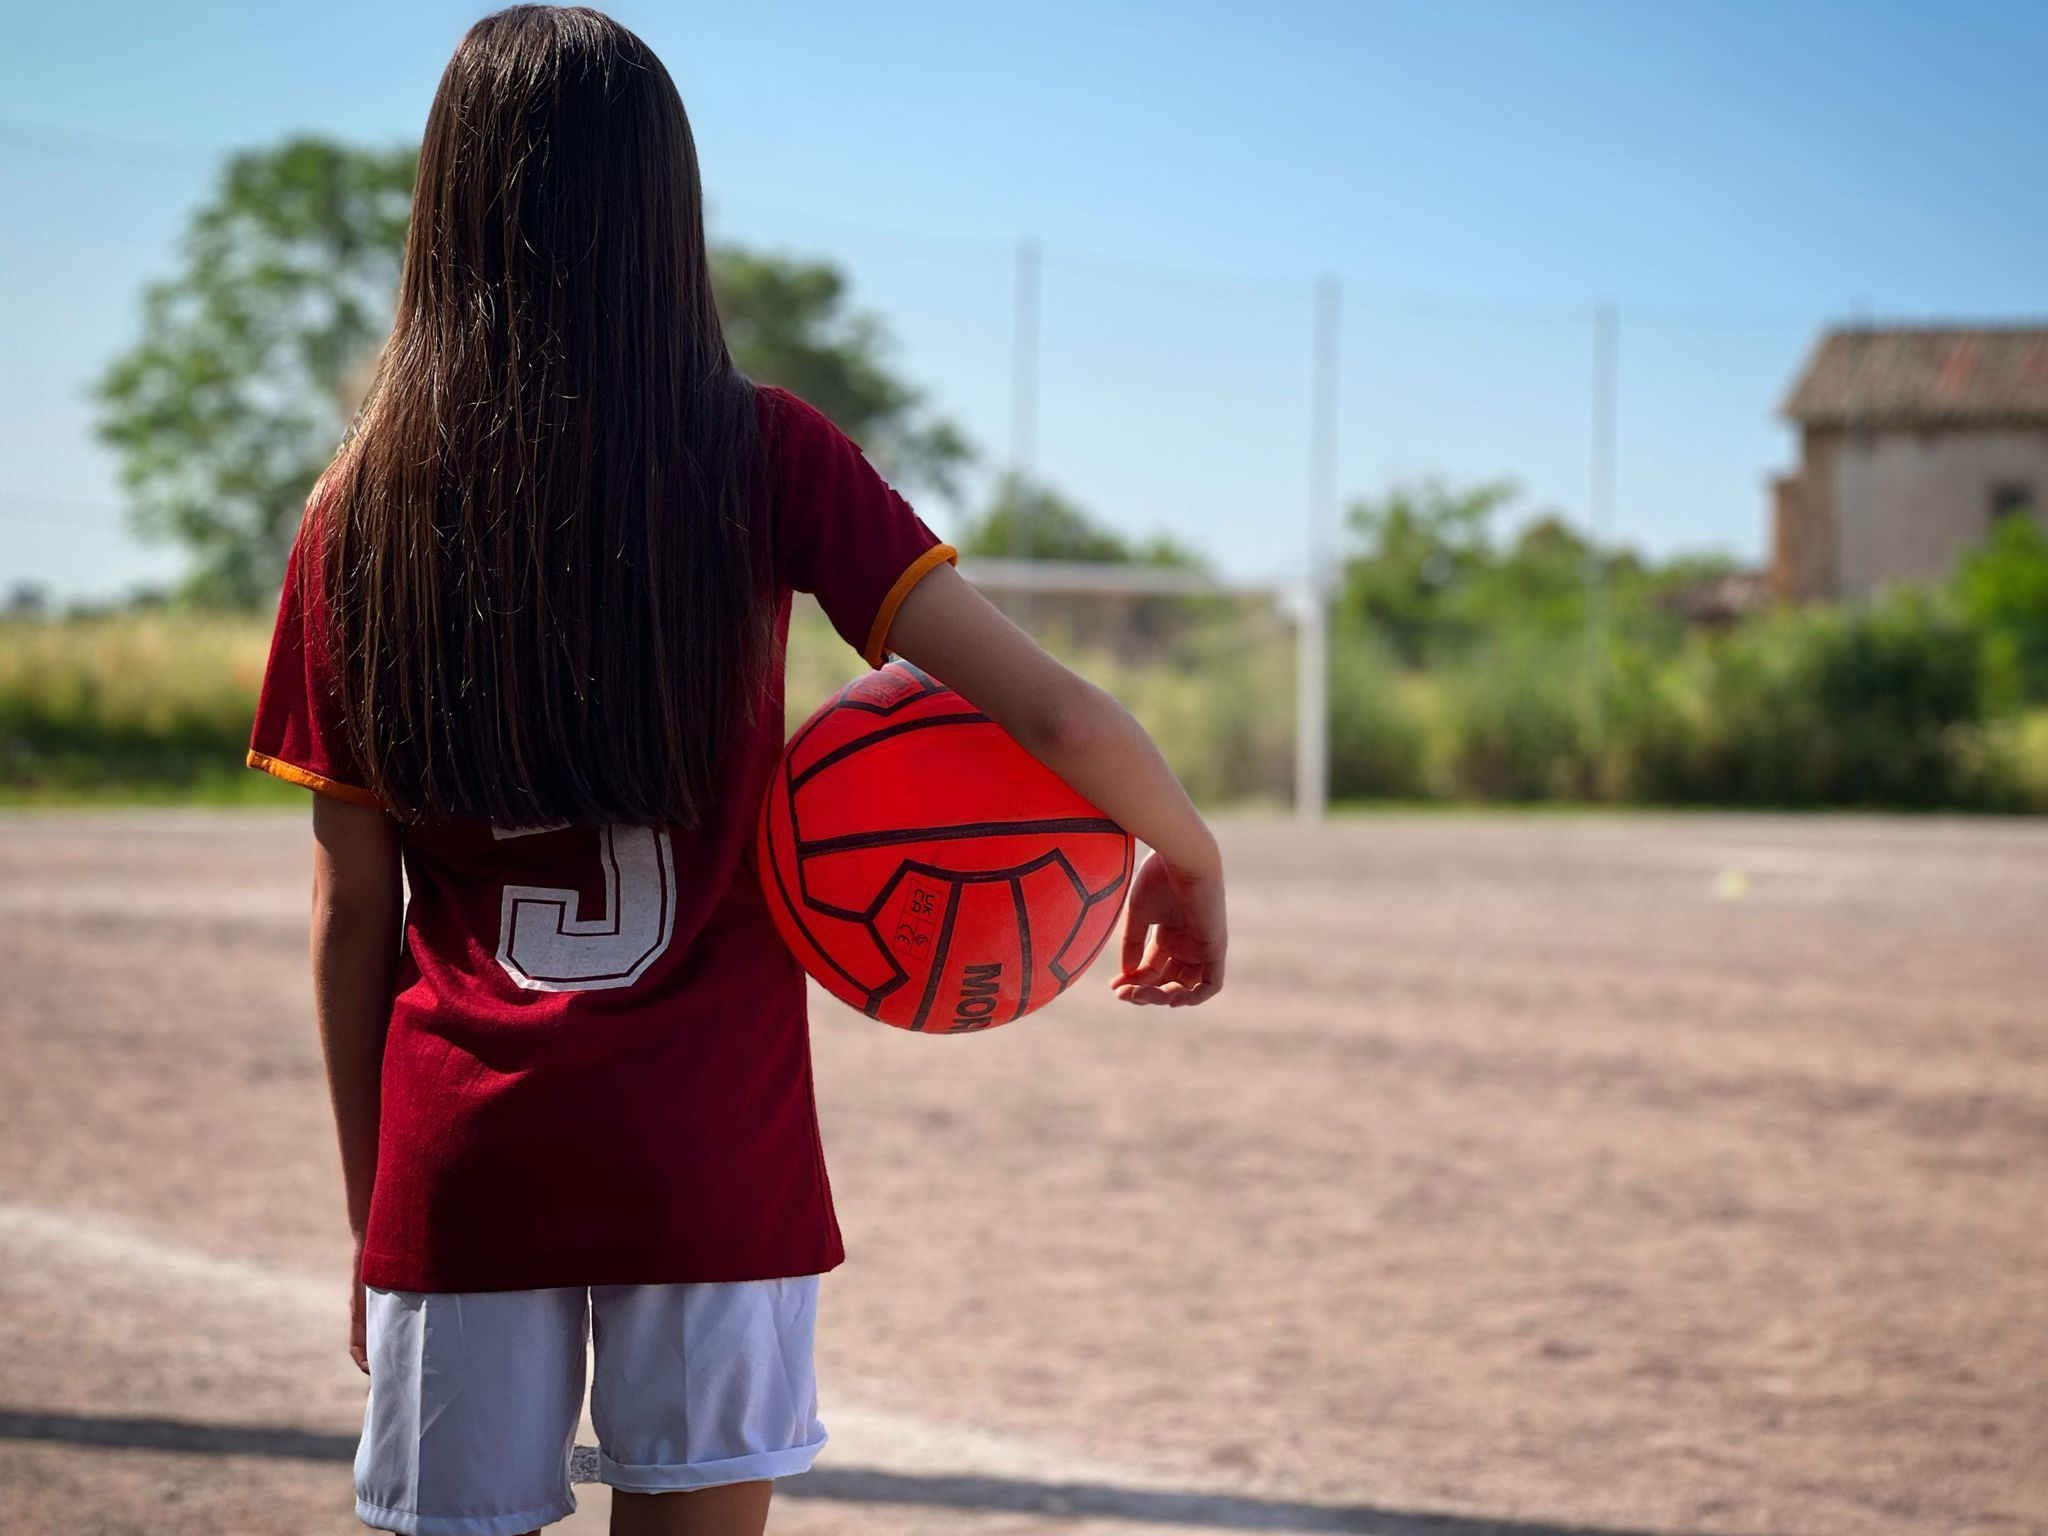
(848, 1485)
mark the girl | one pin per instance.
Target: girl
(529, 651)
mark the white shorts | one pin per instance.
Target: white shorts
(475, 1397)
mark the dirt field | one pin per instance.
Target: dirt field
(1671, 1176)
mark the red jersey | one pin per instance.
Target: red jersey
(598, 1067)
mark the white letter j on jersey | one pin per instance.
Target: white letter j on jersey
(545, 944)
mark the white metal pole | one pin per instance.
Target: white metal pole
(1312, 667)
(1599, 640)
(1312, 725)
(1024, 397)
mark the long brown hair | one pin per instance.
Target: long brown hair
(540, 550)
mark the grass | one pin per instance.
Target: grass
(240, 788)
(142, 706)
(155, 709)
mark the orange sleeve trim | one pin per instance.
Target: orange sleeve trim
(319, 783)
(877, 649)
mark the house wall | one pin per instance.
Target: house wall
(1803, 523)
(1906, 504)
(1782, 576)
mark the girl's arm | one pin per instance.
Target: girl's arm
(1091, 741)
(357, 908)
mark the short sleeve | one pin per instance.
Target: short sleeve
(841, 533)
(299, 736)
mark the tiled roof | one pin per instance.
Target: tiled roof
(1924, 376)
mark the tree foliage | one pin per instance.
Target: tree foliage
(1432, 575)
(228, 407)
(1037, 523)
(2001, 588)
(1423, 564)
(253, 355)
(789, 323)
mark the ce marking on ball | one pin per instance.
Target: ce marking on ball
(914, 917)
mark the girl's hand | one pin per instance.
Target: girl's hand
(358, 1348)
(1183, 964)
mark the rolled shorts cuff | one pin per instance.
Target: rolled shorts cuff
(409, 1523)
(761, 1467)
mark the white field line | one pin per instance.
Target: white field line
(112, 1244)
(877, 1437)
(259, 906)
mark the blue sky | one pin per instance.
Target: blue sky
(1732, 176)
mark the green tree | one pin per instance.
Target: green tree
(2001, 589)
(1429, 575)
(1044, 525)
(1537, 582)
(253, 356)
(789, 323)
(230, 405)
(1418, 550)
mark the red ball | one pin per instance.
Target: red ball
(925, 868)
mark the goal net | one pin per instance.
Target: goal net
(1216, 671)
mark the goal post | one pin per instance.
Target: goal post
(1307, 609)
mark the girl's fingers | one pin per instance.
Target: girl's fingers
(1145, 996)
(1183, 991)
(1136, 930)
(1166, 994)
(1151, 966)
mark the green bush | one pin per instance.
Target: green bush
(1868, 707)
(2001, 588)
(2009, 764)
(1647, 731)
(160, 702)
(1515, 727)
(2027, 746)
(1378, 730)
(1222, 714)
(1888, 706)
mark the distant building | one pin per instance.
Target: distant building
(1721, 601)
(1913, 442)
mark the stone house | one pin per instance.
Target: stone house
(1914, 441)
